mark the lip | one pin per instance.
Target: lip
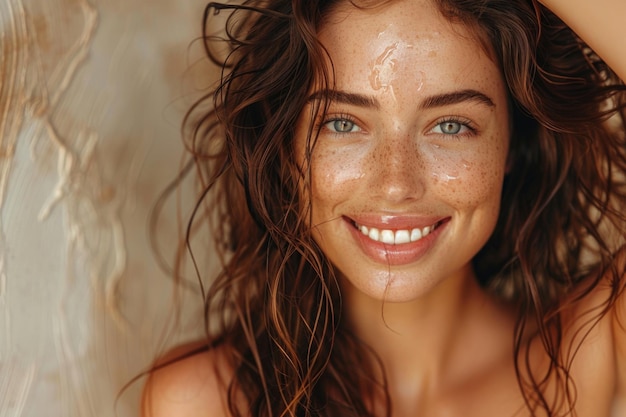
(396, 255)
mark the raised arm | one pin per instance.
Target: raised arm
(600, 23)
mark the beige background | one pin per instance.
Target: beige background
(91, 98)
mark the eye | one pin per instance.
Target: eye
(451, 127)
(342, 125)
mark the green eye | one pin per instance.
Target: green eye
(342, 126)
(454, 126)
(449, 128)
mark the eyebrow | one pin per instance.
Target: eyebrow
(343, 97)
(441, 100)
(438, 100)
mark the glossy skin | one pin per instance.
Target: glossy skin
(446, 346)
(393, 166)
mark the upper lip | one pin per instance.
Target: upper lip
(395, 222)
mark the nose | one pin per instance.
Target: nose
(397, 174)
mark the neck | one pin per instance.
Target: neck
(426, 344)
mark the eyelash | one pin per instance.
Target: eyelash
(321, 124)
(471, 128)
(465, 123)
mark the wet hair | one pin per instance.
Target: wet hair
(561, 227)
(276, 304)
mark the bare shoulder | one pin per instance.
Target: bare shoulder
(619, 335)
(191, 386)
(601, 359)
(595, 343)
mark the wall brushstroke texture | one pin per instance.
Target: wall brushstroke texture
(91, 97)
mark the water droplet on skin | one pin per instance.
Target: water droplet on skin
(445, 177)
(420, 83)
(382, 73)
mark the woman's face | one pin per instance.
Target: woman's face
(406, 175)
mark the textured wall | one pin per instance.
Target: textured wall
(91, 97)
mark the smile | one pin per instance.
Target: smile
(396, 237)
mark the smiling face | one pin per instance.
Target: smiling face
(407, 172)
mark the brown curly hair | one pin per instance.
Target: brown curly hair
(276, 304)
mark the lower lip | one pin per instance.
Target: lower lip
(395, 255)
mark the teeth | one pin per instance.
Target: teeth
(397, 237)
(387, 236)
(402, 236)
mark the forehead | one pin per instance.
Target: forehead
(407, 40)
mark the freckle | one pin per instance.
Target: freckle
(432, 54)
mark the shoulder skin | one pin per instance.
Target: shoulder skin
(619, 335)
(188, 387)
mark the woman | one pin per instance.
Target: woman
(419, 211)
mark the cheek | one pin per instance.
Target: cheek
(468, 177)
(334, 174)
